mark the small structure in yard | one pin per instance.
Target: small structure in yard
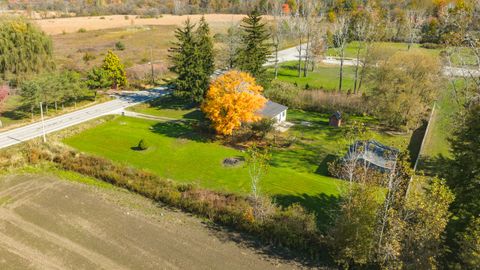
(232, 162)
(275, 111)
(336, 119)
(374, 154)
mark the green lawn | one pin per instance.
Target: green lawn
(436, 151)
(324, 77)
(316, 143)
(177, 153)
(352, 47)
(10, 114)
(297, 173)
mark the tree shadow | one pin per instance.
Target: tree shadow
(180, 130)
(416, 142)
(323, 167)
(436, 166)
(172, 102)
(325, 207)
(194, 115)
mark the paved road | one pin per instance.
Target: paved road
(35, 130)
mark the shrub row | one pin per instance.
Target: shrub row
(292, 227)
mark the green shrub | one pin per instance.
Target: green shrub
(82, 30)
(142, 145)
(119, 46)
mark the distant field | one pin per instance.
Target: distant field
(142, 44)
(71, 25)
(323, 77)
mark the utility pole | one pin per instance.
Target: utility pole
(43, 123)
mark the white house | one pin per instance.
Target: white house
(274, 111)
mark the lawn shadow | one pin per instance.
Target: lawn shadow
(323, 167)
(171, 102)
(194, 115)
(436, 166)
(179, 130)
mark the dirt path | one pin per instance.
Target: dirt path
(47, 223)
(70, 25)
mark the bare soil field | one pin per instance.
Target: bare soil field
(46, 223)
(69, 25)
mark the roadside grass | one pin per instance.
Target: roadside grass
(170, 107)
(324, 76)
(14, 113)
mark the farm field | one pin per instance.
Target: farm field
(141, 45)
(47, 223)
(70, 25)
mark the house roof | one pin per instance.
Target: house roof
(272, 109)
(375, 153)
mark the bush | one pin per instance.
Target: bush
(82, 30)
(142, 145)
(283, 93)
(119, 46)
(432, 46)
(262, 128)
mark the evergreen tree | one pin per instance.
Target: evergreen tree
(254, 51)
(205, 47)
(464, 180)
(188, 65)
(115, 70)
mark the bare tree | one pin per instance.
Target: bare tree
(340, 37)
(278, 28)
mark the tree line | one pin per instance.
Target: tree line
(27, 64)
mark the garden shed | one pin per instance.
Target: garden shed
(336, 119)
(275, 111)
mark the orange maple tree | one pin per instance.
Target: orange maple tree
(232, 99)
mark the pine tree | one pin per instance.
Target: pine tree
(187, 64)
(464, 180)
(205, 47)
(115, 70)
(254, 51)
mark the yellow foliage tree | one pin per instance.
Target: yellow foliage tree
(233, 99)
